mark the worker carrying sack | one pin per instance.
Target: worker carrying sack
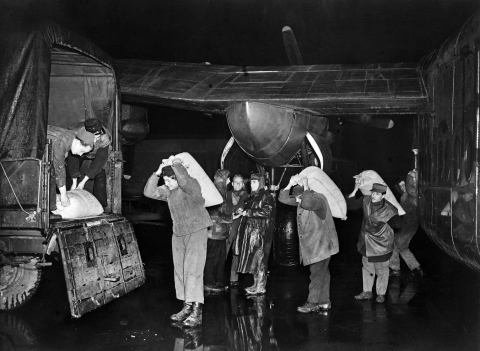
(321, 183)
(209, 191)
(82, 204)
(366, 180)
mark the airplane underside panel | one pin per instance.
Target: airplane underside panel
(327, 89)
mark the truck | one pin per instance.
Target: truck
(52, 76)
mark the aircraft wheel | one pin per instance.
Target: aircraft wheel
(18, 284)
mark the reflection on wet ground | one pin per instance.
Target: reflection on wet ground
(439, 311)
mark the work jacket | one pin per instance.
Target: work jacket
(409, 222)
(98, 156)
(62, 140)
(376, 236)
(318, 237)
(186, 202)
(234, 201)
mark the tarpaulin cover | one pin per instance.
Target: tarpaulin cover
(25, 58)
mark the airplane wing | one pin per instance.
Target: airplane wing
(326, 89)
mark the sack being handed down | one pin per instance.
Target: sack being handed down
(321, 183)
(209, 191)
(82, 204)
(366, 180)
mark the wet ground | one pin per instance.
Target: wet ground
(439, 311)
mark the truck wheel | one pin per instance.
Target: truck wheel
(18, 284)
(16, 333)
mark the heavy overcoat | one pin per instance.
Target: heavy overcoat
(376, 235)
(249, 245)
(318, 237)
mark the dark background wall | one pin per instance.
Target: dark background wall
(356, 148)
(248, 32)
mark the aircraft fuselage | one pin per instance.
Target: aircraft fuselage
(447, 134)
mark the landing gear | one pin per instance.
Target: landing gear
(314, 151)
(322, 148)
(19, 284)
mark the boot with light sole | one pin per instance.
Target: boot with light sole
(184, 313)
(260, 284)
(195, 318)
(253, 288)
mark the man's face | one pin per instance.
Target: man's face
(298, 198)
(79, 149)
(376, 197)
(237, 184)
(102, 140)
(254, 184)
(170, 183)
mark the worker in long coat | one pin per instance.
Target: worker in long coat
(249, 245)
(375, 242)
(318, 240)
(234, 203)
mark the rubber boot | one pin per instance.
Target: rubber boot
(252, 289)
(184, 313)
(261, 283)
(195, 317)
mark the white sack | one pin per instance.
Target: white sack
(209, 191)
(82, 204)
(321, 183)
(367, 178)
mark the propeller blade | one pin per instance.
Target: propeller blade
(381, 122)
(372, 121)
(291, 47)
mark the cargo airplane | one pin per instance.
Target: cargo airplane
(279, 114)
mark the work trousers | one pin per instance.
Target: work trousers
(400, 248)
(96, 186)
(319, 287)
(267, 245)
(370, 269)
(231, 238)
(189, 254)
(215, 263)
(407, 256)
(234, 268)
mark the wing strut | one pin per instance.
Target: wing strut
(226, 150)
(316, 149)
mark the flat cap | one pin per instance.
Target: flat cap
(379, 188)
(93, 125)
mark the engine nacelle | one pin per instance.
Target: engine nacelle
(270, 134)
(134, 126)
